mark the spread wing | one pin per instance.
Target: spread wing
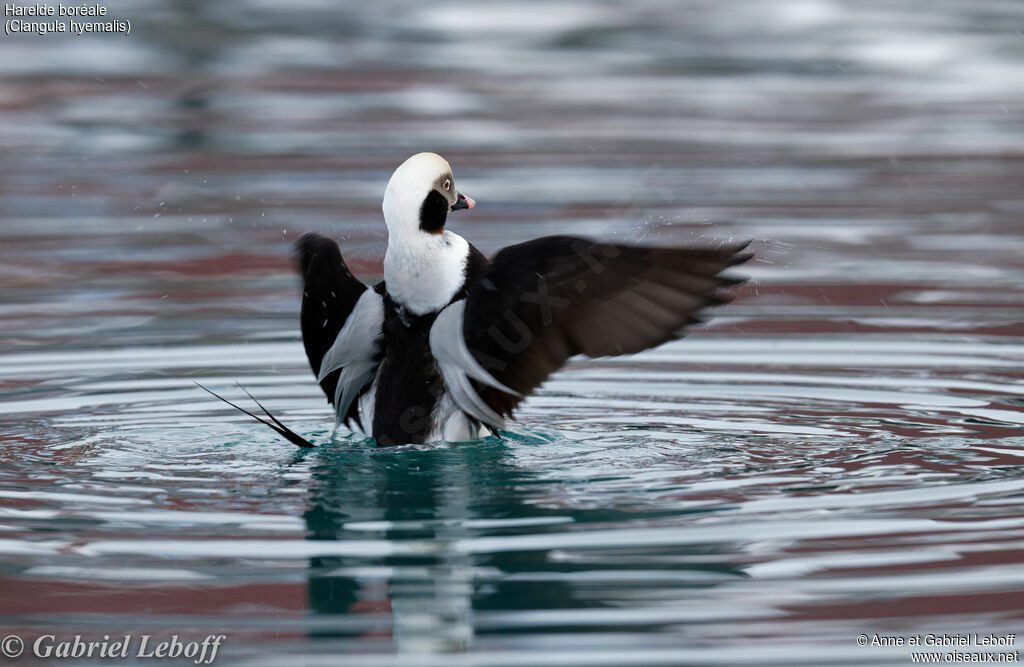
(541, 302)
(341, 323)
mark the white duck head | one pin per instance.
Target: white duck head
(425, 264)
(419, 197)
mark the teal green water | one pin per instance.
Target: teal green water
(838, 452)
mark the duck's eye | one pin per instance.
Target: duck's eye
(447, 183)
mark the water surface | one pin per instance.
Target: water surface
(839, 452)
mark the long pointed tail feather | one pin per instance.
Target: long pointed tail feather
(282, 430)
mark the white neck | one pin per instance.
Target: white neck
(424, 275)
(423, 271)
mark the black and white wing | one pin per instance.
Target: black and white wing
(540, 302)
(341, 324)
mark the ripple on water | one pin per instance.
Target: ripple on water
(837, 452)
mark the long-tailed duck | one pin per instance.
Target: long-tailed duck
(449, 343)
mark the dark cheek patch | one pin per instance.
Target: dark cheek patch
(433, 213)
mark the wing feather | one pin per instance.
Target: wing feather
(341, 323)
(538, 303)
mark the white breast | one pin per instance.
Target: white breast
(451, 424)
(424, 273)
